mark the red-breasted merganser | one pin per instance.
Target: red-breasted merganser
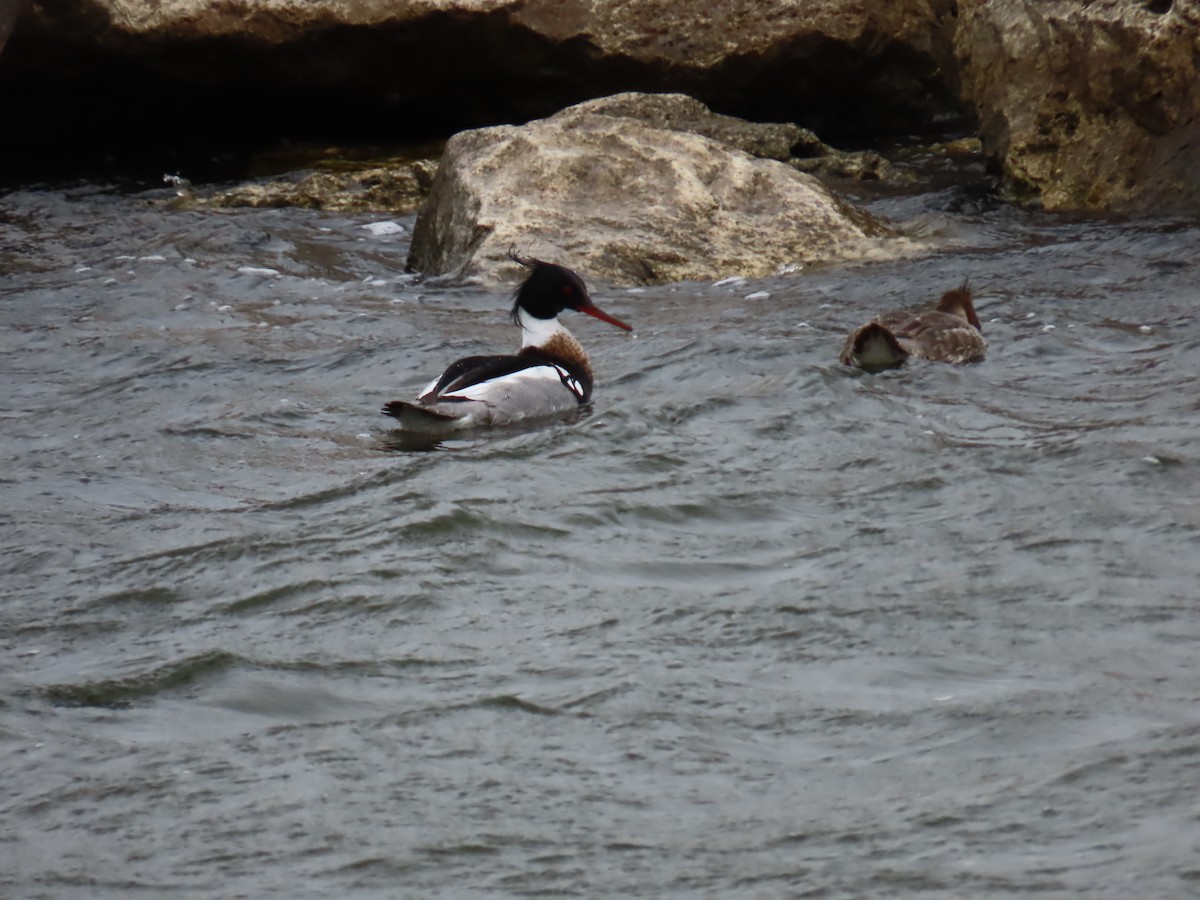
(949, 332)
(549, 375)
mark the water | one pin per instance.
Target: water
(755, 625)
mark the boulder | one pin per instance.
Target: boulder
(400, 184)
(193, 80)
(610, 188)
(1081, 105)
(783, 141)
(9, 11)
(1087, 106)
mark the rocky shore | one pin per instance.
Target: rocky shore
(558, 135)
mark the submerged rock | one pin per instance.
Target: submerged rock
(398, 186)
(611, 189)
(1087, 106)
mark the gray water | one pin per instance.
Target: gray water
(755, 625)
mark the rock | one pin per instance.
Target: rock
(9, 11)
(628, 200)
(783, 141)
(202, 78)
(1087, 106)
(1081, 105)
(401, 184)
(398, 186)
(679, 112)
(765, 53)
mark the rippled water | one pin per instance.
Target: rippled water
(755, 625)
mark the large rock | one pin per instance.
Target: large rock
(765, 54)
(1088, 106)
(1083, 104)
(610, 188)
(783, 141)
(201, 75)
(9, 10)
(402, 184)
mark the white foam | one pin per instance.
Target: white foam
(382, 229)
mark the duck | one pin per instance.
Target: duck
(949, 332)
(549, 375)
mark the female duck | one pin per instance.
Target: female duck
(949, 332)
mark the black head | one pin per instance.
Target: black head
(550, 288)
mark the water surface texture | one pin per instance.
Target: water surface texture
(754, 625)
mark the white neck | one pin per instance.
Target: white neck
(550, 336)
(537, 332)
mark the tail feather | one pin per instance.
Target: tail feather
(411, 414)
(873, 346)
